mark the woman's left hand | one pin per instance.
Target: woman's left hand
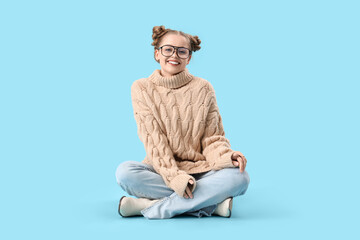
(239, 160)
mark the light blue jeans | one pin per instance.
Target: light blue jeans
(212, 187)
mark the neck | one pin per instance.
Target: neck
(164, 74)
(175, 81)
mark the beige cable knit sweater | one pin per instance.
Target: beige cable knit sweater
(179, 123)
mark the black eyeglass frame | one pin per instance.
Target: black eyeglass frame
(176, 50)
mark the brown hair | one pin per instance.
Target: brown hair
(160, 31)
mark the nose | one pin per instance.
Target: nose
(175, 52)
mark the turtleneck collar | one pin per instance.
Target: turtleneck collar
(174, 81)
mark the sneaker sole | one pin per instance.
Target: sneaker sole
(230, 206)
(120, 206)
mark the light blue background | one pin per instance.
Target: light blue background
(286, 78)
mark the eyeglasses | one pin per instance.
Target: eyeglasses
(168, 50)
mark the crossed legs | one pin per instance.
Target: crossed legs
(140, 180)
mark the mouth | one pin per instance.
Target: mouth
(173, 62)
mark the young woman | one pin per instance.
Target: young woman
(189, 166)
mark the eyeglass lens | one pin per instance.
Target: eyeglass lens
(167, 51)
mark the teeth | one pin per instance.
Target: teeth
(173, 62)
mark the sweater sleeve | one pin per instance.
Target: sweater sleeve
(216, 147)
(156, 143)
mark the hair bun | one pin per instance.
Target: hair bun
(158, 29)
(158, 32)
(195, 43)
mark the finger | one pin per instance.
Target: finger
(244, 161)
(185, 194)
(241, 164)
(189, 193)
(235, 163)
(191, 181)
(242, 156)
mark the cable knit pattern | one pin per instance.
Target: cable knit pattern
(179, 123)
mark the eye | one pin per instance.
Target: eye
(183, 51)
(168, 49)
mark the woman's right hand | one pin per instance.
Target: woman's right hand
(188, 193)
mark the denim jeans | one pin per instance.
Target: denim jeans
(212, 187)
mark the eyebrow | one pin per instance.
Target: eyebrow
(174, 46)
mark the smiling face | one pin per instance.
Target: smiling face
(168, 69)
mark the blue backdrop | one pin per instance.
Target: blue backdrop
(286, 76)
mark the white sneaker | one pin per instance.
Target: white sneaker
(224, 208)
(129, 206)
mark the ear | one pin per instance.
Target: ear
(189, 59)
(157, 55)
